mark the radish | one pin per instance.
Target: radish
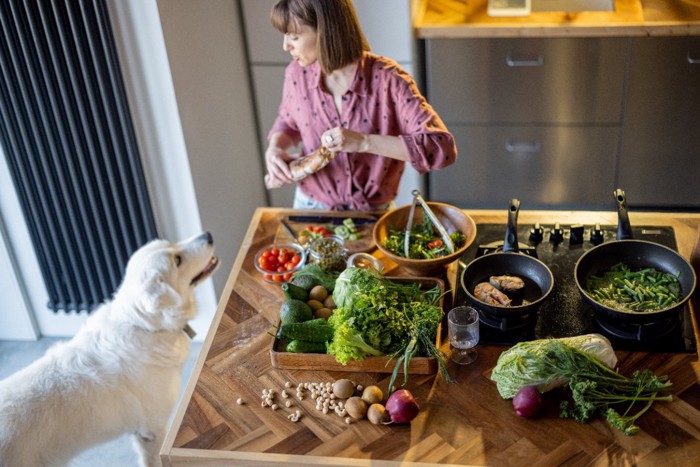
(402, 406)
(527, 402)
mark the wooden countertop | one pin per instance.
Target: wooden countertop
(453, 19)
(463, 423)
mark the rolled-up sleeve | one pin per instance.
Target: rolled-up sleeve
(429, 145)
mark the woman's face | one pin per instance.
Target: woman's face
(301, 44)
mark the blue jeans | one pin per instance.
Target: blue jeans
(301, 201)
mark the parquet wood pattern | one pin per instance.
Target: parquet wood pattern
(459, 424)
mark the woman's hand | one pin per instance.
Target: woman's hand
(277, 164)
(341, 139)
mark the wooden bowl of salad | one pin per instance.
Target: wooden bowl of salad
(428, 254)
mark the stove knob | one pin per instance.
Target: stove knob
(557, 234)
(576, 237)
(597, 235)
(536, 234)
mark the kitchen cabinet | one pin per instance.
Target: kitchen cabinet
(536, 119)
(661, 128)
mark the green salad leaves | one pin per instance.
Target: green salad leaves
(377, 316)
(424, 241)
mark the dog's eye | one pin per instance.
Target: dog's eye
(178, 260)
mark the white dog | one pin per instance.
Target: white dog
(120, 373)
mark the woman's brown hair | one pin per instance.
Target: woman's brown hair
(340, 37)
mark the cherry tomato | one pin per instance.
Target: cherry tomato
(278, 278)
(268, 277)
(274, 251)
(288, 277)
(295, 259)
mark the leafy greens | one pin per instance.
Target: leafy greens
(596, 388)
(377, 316)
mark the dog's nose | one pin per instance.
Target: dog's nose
(207, 237)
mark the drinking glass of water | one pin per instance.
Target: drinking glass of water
(463, 326)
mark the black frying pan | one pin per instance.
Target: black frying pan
(637, 254)
(537, 276)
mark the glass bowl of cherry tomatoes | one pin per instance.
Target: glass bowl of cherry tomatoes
(278, 262)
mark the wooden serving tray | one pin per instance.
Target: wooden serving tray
(325, 362)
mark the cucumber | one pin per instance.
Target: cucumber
(294, 292)
(306, 331)
(298, 346)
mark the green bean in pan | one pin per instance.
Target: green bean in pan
(622, 289)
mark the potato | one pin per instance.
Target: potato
(376, 413)
(343, 388)
(314, 305)
(329, 302)
(372, 395)
(324, 313)
(319, 293)
(356, 407)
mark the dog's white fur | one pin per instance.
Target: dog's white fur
(120, 373)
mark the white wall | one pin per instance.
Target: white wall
(209, 72)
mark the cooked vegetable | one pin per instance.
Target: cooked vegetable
(622, 289)
(424, 241)
(402, 406)
(377, 316)
(527, 402)
(596, 388)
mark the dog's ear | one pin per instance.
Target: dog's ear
(159, 296)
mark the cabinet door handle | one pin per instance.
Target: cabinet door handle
(692, 60)
(513, 146)
(516, 62)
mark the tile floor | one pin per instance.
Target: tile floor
(15, 355)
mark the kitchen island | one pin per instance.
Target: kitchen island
(466, 423)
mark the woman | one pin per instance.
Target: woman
(362, 107)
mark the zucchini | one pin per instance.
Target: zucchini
(306, 331)
(299, 346)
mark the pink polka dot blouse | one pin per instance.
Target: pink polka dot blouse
(382, 99)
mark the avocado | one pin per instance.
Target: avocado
(295, 311)
(304, 281)
(293, 291)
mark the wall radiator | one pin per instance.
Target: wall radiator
(67, 135)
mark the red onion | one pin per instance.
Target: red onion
(527, 402)
(402, 406)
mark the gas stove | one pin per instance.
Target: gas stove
(565, 313)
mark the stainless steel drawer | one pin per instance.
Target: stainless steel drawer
(661, 131)
(560, 80)
(546, 167)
